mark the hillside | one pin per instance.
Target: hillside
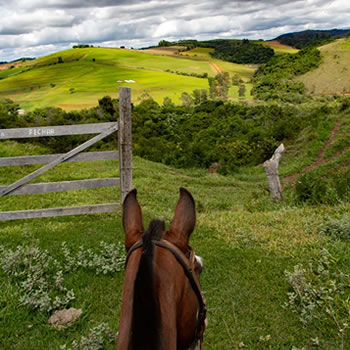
(333, 75)
(77, 78)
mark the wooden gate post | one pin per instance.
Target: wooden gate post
(125, 145)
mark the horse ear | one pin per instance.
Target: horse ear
(184, 220)
(132, 219)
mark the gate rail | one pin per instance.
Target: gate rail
(20, 187)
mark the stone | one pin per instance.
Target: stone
(64, 318)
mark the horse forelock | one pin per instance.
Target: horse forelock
(154, 232)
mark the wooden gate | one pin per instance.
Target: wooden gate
(20, 187)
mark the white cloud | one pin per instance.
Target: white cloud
(36, 27)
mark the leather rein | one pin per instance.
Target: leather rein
(188, 265)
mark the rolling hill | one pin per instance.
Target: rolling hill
(77, 78)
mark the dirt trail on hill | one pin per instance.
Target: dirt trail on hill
(217, 69)
(320, 160)
(4, 66)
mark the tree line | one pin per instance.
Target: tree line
(236, 51)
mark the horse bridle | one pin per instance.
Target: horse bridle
(188, 265)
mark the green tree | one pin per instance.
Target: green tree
(199, 96)
(212, 88)
(241, 90)
(186, 99)
(223, 84)
(106, 104)
(236, 80)
(164, 43)
(167, 102)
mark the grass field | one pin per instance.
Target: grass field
(280, 48)
(88, 74)
(333, 75)
(246, 241)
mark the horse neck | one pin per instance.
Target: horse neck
(146, 325)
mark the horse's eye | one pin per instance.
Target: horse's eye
(199, 266)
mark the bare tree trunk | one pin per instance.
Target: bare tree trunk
(271, 169)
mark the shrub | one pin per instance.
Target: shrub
(338, 229)
(97, 339)
(323, 186)
(312, 189)
(319, 294)
(40, 277)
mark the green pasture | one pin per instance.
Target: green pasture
(88, 74)
(246, 241)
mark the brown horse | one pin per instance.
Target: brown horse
(163, 307)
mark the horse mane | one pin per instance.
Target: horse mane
(146, 311)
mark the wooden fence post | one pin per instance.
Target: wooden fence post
(271, 169)
(125, 144)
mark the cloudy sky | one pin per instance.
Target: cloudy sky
(33, 28)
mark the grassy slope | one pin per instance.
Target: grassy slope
(43, 82)
(246, 243)
(333, 75)
(280, 48)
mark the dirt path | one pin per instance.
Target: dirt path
(217, 69)
(4, 66)
(320, 157)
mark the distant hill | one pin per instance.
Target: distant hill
(308, 38)
(18, 59)
(78, 78)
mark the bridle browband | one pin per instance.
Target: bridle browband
(188, 267)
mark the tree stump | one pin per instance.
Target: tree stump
(271, 169)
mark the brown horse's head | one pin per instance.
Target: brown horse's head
(163, 307)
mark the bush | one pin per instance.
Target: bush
(323, 186)
(318, 294)
(338, 229)
(41, 278)
(310, 188)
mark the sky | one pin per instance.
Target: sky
(34, 28)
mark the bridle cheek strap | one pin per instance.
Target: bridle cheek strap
(188, 265)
